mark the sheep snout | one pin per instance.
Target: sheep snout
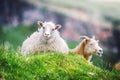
(100, 52)
(47, 35)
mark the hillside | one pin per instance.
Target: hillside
(74, 7)
(50, 66)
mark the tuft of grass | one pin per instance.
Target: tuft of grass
(50, 66)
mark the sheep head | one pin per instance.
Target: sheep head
(48, 28)
(91, 46)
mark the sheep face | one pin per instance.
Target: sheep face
(92, 47)
(48, 28)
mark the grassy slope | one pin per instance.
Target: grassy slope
(50, 66)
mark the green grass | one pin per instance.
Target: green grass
(16, 35)
(50, 66)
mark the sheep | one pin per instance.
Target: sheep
(87, 48)
(47, 38)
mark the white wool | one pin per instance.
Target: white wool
(37, 43)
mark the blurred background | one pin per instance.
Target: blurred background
(18, 19)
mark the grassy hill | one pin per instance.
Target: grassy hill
(50, 66)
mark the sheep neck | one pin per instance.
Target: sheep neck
(81, 50)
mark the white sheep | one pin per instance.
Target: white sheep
(47, 38)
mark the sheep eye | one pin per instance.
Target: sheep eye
(53, 29)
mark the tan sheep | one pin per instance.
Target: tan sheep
(87, 48)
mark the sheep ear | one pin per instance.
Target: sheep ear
(87, 40)
(57, 26)
(40, 23)
(84, 37)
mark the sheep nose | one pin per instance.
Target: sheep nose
(46, 34)
(101, 51)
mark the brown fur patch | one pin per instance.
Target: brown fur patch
(80, 49)
(117, 66)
